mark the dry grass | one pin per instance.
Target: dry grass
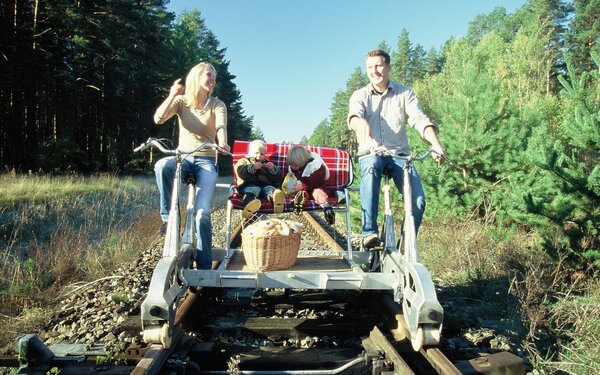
(459, 252)
(573, 314)
(551, 310)
(474, 269)
(56, 230)
(577, 318)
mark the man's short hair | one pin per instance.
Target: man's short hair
(378, 52)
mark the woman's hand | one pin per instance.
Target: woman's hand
(177, 88)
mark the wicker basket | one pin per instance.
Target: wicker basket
(275, 252)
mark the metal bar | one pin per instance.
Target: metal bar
(379, 342)
(439, 362)
(323, 233)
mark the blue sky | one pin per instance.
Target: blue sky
(290, 57)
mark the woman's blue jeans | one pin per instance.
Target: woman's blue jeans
(205, 170)
(371, 172)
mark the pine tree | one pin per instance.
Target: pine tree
(477, 126)
(82, 79)
(383, 46)
(584, 34)
(238, 125)
(568, 194)
(257, 133)
(433, 62)
(418, 62)
(496, 21)
(77, 64)
(401, 60)
(320, 135)
(542, 24)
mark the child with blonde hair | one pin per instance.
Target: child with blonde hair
(257, 178)
(311, 172)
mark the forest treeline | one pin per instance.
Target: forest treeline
(81, 80)
(517, 105)
(516, 102)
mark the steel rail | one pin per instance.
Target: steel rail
(156, 356)
(323, 234)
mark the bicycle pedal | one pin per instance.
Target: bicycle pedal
(375, 248)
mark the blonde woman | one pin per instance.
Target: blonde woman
(201, 118)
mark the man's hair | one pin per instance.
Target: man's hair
(378, 52)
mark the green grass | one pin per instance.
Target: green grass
(34, 188)
(57, 229)
(576, 317)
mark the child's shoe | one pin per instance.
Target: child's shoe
(250, 208)
(299, 200)
(278, 201)
(371, 241)
(329, 215)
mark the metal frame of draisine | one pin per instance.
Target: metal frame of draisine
(399, 270)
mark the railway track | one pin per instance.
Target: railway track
(243, 331)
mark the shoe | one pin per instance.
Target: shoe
(329, 215)
(299, 200)
(251, 208)
(278, 201)
(163, 228)
(370, 241)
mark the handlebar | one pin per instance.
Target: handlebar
(153, 142)
(161, 146)
(380, 151)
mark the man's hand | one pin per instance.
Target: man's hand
(438, 154)
(362, 129)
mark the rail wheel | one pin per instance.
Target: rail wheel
(158, 334)
(417, 341)
(427, 334)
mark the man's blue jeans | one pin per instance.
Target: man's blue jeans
(371, 172)
(205, 170)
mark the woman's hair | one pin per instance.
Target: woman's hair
(192, 82)
(298, 155)
(256, 146)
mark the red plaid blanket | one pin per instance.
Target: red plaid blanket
(340, 171)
